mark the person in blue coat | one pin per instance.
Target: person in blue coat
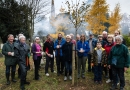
(83, 49)
(58, 53)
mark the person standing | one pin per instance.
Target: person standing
(108, 47)
(58, 54)
(118, 61)
(10, 60)
(72, 39)
(105, 34)
(67, 55)
(92, 44)
(22, 52)
(37, 56)
(48, 49)
(83, 49)
(99, 59)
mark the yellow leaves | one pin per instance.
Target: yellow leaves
(115, 19)
(96, 17)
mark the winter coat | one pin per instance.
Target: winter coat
(94, 58)
(60, 49)
(121, 54)
(67, 51)
(85, 47)
(9, 60)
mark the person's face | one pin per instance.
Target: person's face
(78, 37)
(22, 40)
(99, 45)
(116, 33)
(100, 38)
(49, 37)
(37, 40)
(11, 38)
(91, 36)
(82, 37)
(68, 39)
(109, 39)
(104, 35)
(118, 41)
(59, 36)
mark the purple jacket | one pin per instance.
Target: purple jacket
(33, 50)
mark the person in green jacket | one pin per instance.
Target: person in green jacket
(118, 61)
(10, 60)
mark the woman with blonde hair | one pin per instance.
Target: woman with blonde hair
(37, 55)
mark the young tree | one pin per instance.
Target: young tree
(77, 13)
(115, 19)
(96, 17)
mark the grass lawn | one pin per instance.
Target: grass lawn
(53, 82)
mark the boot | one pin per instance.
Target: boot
(114, 87)
(7, 77)
(13, 76)
(22, 87)
(25, 82)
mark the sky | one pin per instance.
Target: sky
(125, 5)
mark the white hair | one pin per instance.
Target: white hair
(68, 36)
(36, 38)
(104, 32)
(119, 37)
(22, 37)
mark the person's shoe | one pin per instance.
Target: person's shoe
(58, 74)
(108, 81)
(70, 77)
(100, 82)
(83, 76)
(8, 83)
(118, 83)
(113, 87)
(78, 76)
(26, 82)
(121, 88)
(47, 74)
(13, 80)
(65, 78)
(96, 82)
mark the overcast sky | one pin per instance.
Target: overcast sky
(125, 5)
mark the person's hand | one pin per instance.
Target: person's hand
(49, 55)
(105, 65)
(92, 64)
(57, 46)
(109, 66)
(125, 69)
(38, 52)
(9, 53)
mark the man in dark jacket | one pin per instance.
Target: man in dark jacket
(48, 49)
(10, 60)
(92, 44)
(22, 52)
(58, 53)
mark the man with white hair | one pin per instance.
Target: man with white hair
(21, 51)
(105, 34)
(72, 38)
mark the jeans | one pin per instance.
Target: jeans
(118, 72)
(12, 67)
(81, 63)
(51, 61)
(98, 72)
(60, 64)
(68, 68)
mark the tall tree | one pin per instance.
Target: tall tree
(115, 19)
(96, 17)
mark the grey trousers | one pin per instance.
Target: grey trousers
(81, 66)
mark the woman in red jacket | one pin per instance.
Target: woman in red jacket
(108, 47)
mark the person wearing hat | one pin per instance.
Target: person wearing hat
(37, 55)
(118, 61)
(67, 56)
(92, 44)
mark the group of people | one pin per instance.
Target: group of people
(107, 53)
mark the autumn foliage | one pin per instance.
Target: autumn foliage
(96, 17)
(115, 19)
